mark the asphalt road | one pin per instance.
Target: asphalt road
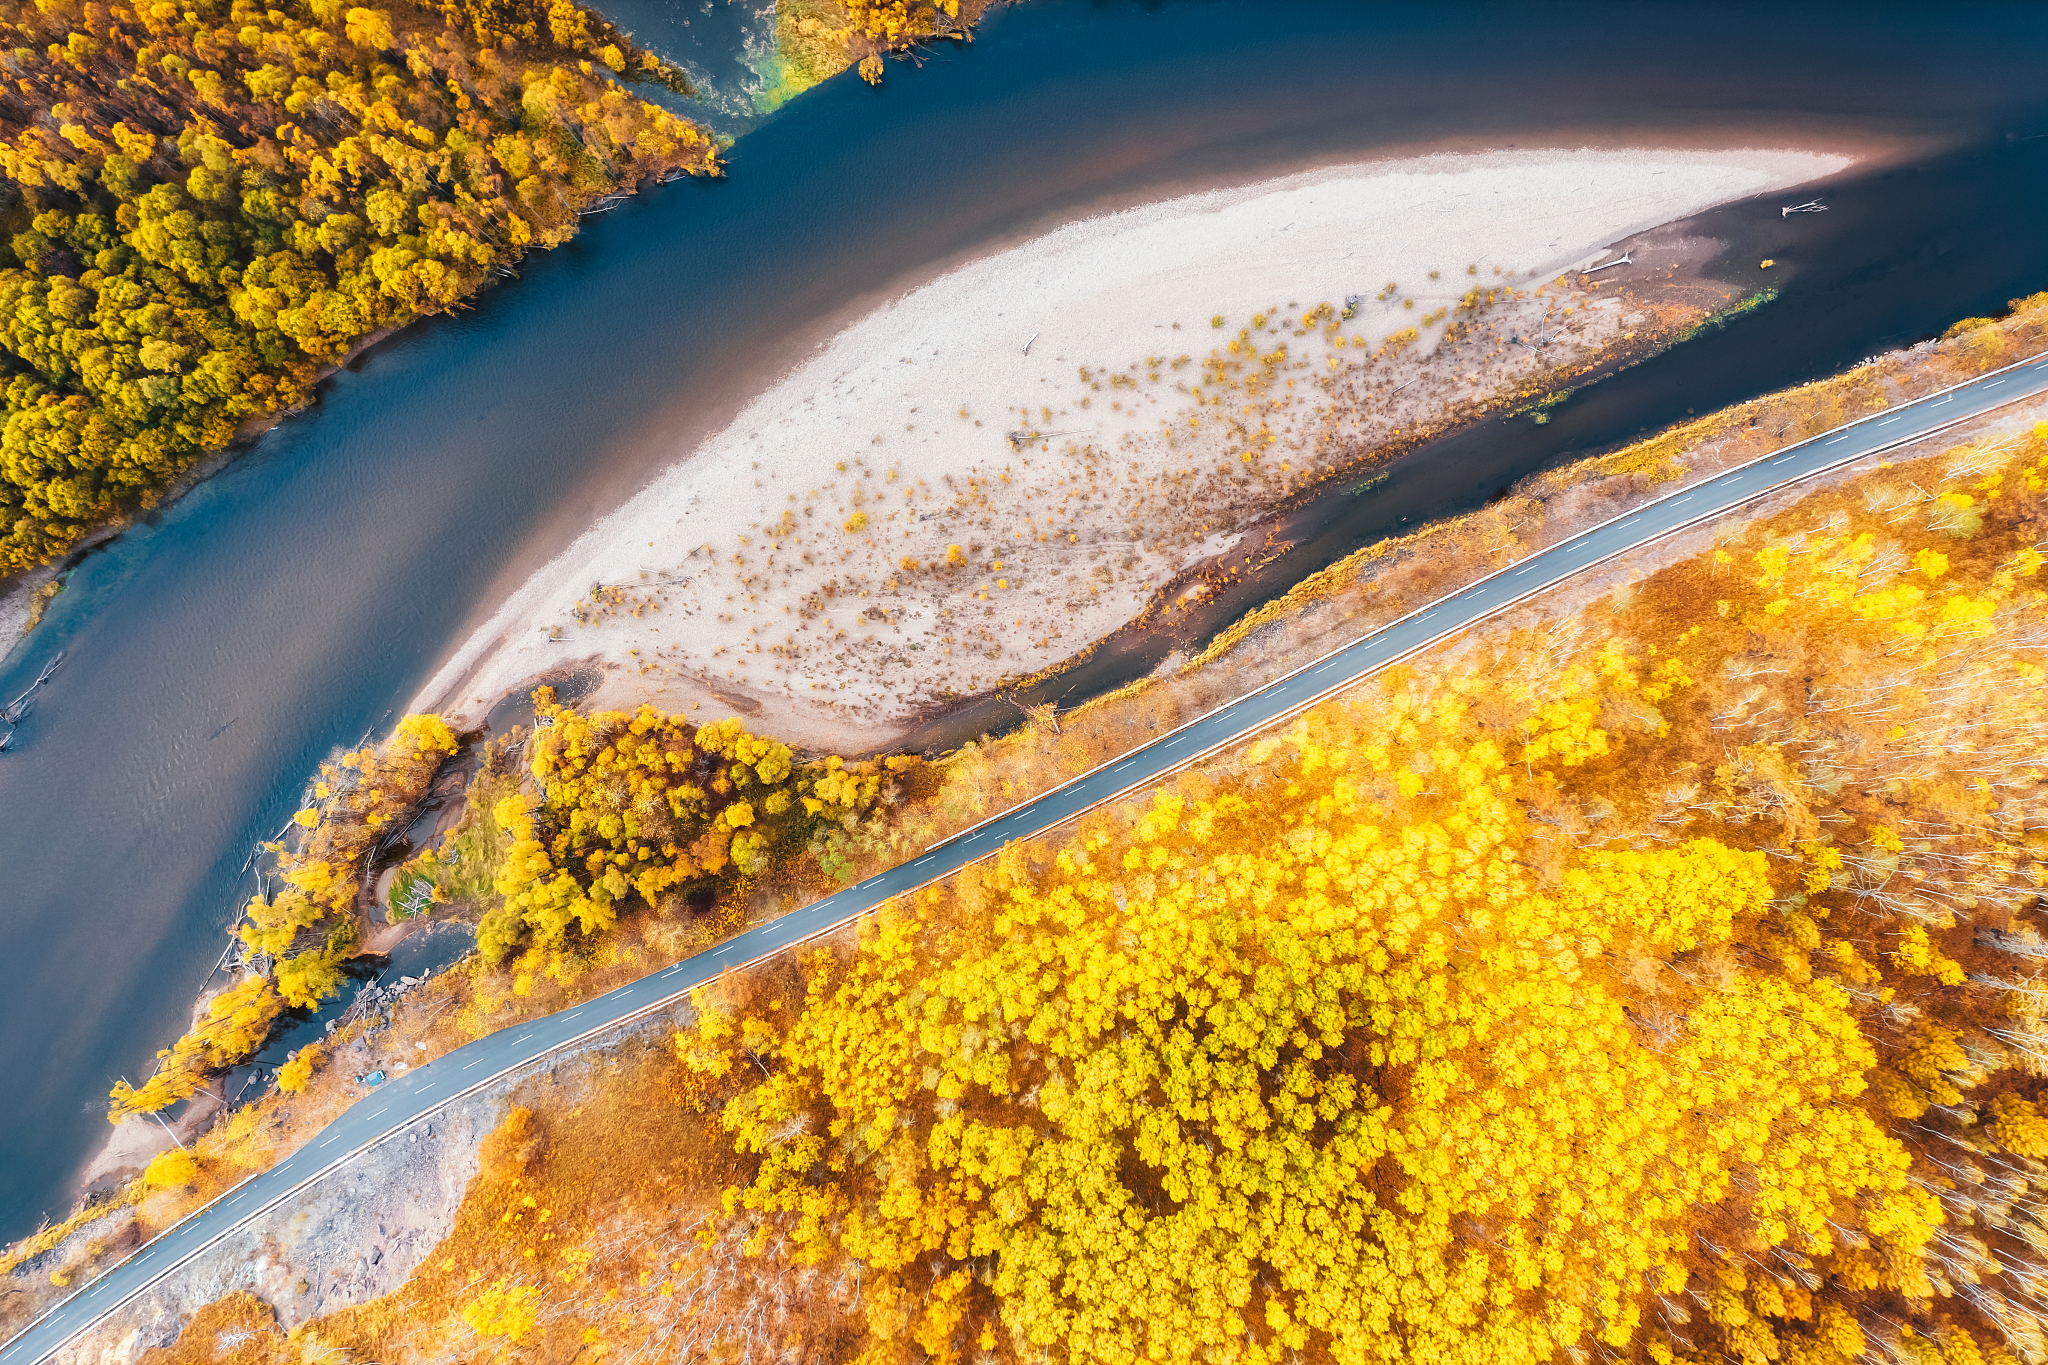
(391, 1108)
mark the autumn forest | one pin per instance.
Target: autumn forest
(205, 208)
(1655, 982)
(1655, 971)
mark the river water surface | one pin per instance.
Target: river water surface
(218, 652)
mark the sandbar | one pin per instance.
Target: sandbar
(983, 475)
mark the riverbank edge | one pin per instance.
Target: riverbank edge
(1202, 574)
(18, 616)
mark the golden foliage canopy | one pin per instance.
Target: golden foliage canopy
(1663, 987)
(1332, 1065)
(205, 204)
(236, 1023)
(302, 934)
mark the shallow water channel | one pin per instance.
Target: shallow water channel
(215, 654)
(1886, 266)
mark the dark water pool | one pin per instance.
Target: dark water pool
(216, 653)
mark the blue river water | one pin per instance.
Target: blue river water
(216, 652)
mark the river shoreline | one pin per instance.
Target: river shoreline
(17, 595)
(700, 530)
(1372, 590)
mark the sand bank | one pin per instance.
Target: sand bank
(979, 478)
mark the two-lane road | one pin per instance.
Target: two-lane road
(400, 1103)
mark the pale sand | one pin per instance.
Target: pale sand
(736, 581)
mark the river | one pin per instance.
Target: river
(217, 652)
